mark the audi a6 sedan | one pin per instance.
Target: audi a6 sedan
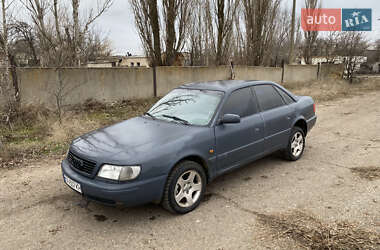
(195, 133)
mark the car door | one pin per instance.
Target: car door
(240, 142)
(277, 116)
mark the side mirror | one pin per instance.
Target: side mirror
(230, 118)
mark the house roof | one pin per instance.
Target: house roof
(101, 60)
(135, 57)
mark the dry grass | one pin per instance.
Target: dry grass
(328, 90)
(309, 232)
(369, 173)
(37, 132)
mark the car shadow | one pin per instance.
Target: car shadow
(250, 170)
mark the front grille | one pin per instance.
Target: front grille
(80, 163)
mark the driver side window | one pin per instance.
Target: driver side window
(240, 102)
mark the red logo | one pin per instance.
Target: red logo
(321, 19)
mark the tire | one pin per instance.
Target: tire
(296, 145)
(184, 187)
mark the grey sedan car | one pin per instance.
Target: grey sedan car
(193, 134)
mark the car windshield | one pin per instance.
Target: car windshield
(187, 106)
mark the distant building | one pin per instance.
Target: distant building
(135, 61)
(369, 61)
(373, 61)
(334, 60)
(182, 59)
(119, 61)
(358, 60)
(376, 67)
(105, 62)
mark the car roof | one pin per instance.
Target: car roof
(224, 85)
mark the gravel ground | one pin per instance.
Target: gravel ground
(38, 211)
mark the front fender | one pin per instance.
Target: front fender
(193, 145)
(200, 146)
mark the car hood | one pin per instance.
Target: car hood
(130, 139)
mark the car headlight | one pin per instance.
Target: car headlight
(119, 173)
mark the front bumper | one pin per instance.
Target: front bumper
(129, 193)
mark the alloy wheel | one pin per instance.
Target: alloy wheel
(188, 188)
(297, 144)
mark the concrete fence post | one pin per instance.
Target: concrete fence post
(283, 70)
(232, 76)
(154, 82)
(319, 71)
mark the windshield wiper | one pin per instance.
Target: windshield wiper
(177, 119)
(150, 115)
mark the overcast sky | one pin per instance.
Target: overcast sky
(118, 22)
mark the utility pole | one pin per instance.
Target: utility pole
(291, 50)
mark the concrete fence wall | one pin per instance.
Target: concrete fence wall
(40, 86)
(258, 73)
(300, 73)
(331, 71)
(76, 85)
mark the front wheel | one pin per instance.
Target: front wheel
(296, 144)
(184, 188)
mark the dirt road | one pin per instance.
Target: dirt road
(38, 211)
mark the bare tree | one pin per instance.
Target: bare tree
(216, 35)
(224, 17)
(81, 32)
(292, 30)
(175, 17)
(195, 36)
(310, 36)
(38, 11)
(147, 22)
(282, 40)
(7, 92)
(63, 42)
(220, 17)
(252, 32)
(351, 47)
(259, 17)
(25, 35)
(328, 46)
(239, 37)
(76, 38)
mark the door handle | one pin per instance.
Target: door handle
(257, 129)
(288, 117)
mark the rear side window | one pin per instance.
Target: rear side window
(240, 102)
(268, 97)
(285, 96)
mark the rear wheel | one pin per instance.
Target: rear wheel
(296, 145)
(184, 188)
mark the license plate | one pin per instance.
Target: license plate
(73, 184)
